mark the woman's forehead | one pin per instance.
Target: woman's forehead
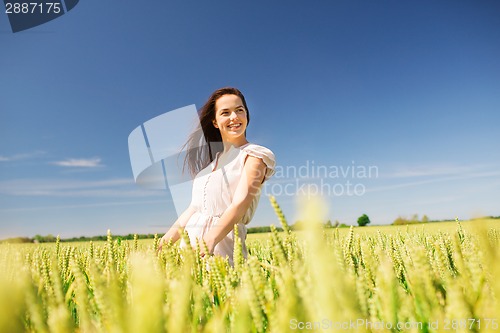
(228, 102)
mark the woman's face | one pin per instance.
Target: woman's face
(230, 118)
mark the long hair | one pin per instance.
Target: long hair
(205, 141)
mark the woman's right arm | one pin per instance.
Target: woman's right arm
(172, 234)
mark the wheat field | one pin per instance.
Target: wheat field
(408, 280)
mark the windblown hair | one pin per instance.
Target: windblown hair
(205, 141)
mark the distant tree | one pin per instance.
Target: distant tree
(400, 220)
(329, 224)
(363, 220)
(337, 223)
(44, 239)
(49, 238)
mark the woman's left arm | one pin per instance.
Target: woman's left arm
(248, 188)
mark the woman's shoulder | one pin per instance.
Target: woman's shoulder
(261, 152)
(252, 147)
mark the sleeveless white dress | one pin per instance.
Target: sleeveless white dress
(213, 190)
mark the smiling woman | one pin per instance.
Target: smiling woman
(228, 175)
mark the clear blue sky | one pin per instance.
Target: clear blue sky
(411, 88)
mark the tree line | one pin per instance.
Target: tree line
(363, 220)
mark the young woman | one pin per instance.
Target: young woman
(229, 173)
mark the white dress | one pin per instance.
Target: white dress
(213, 190)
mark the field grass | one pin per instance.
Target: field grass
(437, 277)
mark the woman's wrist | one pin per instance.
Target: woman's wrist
(210, 243)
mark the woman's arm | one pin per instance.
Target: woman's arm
(172, 234)
(248, 187)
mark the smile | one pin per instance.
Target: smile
(234, 126)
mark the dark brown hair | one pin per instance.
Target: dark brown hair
(205, 141)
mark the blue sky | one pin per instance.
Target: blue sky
(411, 88)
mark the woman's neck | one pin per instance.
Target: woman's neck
(229, 144)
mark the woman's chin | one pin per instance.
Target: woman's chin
(236, 133)
(234, 137)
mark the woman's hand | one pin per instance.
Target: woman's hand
(210, 243)
(162, 242)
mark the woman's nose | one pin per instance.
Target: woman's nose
(233, 115)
